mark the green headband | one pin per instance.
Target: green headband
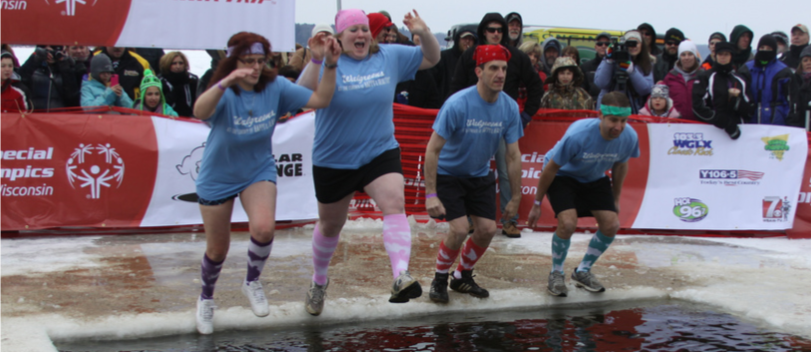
(615, 110)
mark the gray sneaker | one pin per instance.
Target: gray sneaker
(587, 281)
(315, 298)
(404, 288)
(557, 284)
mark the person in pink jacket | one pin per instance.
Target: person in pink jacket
(680, 79)
(659, 104)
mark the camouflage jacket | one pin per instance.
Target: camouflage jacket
(567, 98)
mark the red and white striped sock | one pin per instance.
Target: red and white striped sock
(445, 258)
(471, 253)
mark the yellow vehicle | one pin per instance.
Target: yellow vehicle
(582, 38)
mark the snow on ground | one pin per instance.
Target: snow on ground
(761, 280)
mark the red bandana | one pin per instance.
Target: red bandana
(487, 53)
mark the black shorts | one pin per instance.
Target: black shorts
(332, 185)
(567, 193)
(467, 196)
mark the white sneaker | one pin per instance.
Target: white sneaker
(205, 315)
(256, 295)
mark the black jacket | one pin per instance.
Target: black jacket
(130, 70)
(180, 91)
(792, 57)
(712, 103)
(444, 70)
(52, 86)
(519, 70)
(589, 68)
(800, 98)
(664, 63)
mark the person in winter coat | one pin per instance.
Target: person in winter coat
(533, 50)
(636, 70)
(715, 38)
(589, 68)
(515, 28)
(152, 99)
(680, 79)
(96, 90)
(13, 98)
(551, 52)
(129, 66)
(721, 96)
(659, 104)
(565, 91)
(52, 77)
(649, 36)
(667, 60)
(799, 41)
(179, 85)
(422, 91)
(770, 82)
(741, 37)
(801, 92)
(216, 57)
(519, 72)
(443, 72)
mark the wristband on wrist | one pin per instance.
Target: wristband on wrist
(432, 195)
(219, 85)
(317, 62)
(331, 65)
(536, 202)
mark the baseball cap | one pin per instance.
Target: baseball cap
(322, 28)
(802, 27)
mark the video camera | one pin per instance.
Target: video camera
(56, 51)
(620, 50)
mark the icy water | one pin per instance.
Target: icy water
(640, 326)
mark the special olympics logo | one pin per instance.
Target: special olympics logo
(95, 170)
(70, 5)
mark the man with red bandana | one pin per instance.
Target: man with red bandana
(458, 180)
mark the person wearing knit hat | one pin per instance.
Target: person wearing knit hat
(152, 99)
(667, 59)
(379, 25)
(722, 96)
(96, 91)
(680, 79)
(773, 82)
(354, 148)
(565, 91)
(636, 63)
(458, 181)
(801, 92)
(715, 38)
(659, 104)
(799, 41)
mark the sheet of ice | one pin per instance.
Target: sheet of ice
(40, 255)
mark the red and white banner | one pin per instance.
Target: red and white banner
(129, 171)
(177, 24)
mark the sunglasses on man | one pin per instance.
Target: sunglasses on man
(494, 30)
(601, 43)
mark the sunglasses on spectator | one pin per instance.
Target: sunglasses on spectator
(494, 30)
(601, 43)
(252, 61)
(671, 43)
(715, 42)
(631, 43)
(647, 34)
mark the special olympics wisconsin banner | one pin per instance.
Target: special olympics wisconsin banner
(177, 24)
(701, 179)
(128, 171)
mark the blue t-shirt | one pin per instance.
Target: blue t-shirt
(585, 155)
(238, 150)
(472, 129)
(358, 124)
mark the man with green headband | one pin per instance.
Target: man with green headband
(574, 180)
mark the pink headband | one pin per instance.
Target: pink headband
(348, 18)
(256, 48)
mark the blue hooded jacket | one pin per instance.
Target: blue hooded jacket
(770, 89)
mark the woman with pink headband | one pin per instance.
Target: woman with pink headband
(355, 149)
(242, 106)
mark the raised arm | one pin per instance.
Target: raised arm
(309, 76)
(428, 43)
(323, 94)
(206, 104)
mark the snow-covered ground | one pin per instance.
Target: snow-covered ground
(110, 287)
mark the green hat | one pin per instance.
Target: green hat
(150, 80)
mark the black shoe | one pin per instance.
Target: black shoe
(467, 285)
(439, 288)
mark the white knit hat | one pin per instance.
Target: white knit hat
(688, 45)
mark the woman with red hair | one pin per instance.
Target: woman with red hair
(354, 148)
(241, 106)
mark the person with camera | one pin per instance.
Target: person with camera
(102, 88)
(13, 96)
(627, 69)
(53, 78)
(721, 96)
(129, 67)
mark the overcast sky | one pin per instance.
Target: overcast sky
(696, 18)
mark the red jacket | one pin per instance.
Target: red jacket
(682, 93)
(13, 98)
